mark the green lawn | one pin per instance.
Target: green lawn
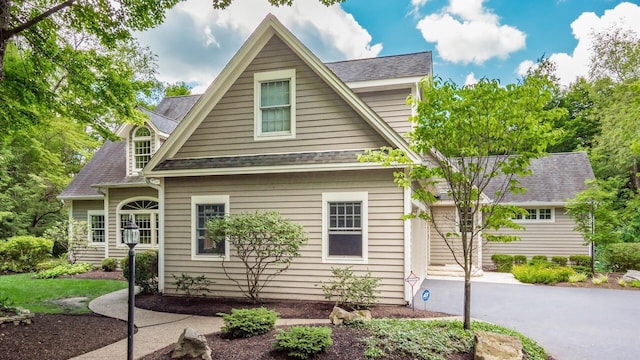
(37, 294)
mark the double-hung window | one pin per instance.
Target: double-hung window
(344, 227)
(275, 104)
(96, 231)
(205, 208)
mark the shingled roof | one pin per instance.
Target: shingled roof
(163, 124)
(176, 107)
(384, 67)
(555, 179)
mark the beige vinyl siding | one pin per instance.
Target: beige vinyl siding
(419, 247)
(439, 252)
(323, 120)
(94, 253)
(391, 105)
(116, 196)
(297, 197)
(541, 238)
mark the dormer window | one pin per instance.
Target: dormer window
(141, 148)
(275, 104)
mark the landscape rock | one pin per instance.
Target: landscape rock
(191, 345)
(492, 346)
(631, 275)
(339, 316)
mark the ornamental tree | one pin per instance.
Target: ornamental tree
(263, 241)
(474, 135)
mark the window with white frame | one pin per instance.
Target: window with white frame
(275, 104)
(345, 227)
(203, 209)
(465, 219)
(141, 148)
(536, 214)
(96, 230)
(145, 215)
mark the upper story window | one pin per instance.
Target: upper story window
(275, 104)
(536, 214)
(141, 148)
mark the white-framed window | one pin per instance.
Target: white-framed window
(345, 227)
(465, 219)
(537, 214)
(96, 227)
(145, 214)
(141, 147)
(274, 104)
(204, 208)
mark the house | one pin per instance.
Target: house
(280, 130)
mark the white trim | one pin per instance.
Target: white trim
(533, 204)
(385, 84)
(408, 294)
(327, 197)
(258, 78)
(160, 241)
(90, 197)
(201, 200)
(537, 220)
(90, 241)
(154, 213)
(133, 138)
(106, 223)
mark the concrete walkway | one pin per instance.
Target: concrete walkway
(155, 329)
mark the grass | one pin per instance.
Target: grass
(37, 294)
(433, 340)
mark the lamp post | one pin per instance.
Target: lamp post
(131, 236)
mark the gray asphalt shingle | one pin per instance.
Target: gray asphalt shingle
(385, 67)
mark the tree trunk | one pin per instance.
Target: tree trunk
(5, 6)
(636, 177)
(467, 298)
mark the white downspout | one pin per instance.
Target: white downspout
(158, 184)
(408, 294)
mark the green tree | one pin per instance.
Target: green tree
(177, 89)
(223, 4)
(476, 134)
(263, 241)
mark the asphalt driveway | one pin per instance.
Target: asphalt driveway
(570, 323)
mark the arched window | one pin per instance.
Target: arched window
(145, 213)
(141, 148)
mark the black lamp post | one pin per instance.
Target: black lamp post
(131, 236)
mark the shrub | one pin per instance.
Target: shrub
(304, 342)
(109, 264)
(246, 323)
(582, 269)
(65, 269)
(351, 290)
(541, 273)
(560, 260)
(192, 286)
(634, 283)
(622, 282)
(622, 256)
(46, 265)
(23, 253)
(539, 258)
(519, 259)
(581, 260)
(146, 270)
(600, 279)
(503, 262)
(577, 277)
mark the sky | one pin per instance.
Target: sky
(470, 39)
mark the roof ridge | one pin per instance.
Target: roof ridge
(379, 57)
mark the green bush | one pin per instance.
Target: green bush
(304, 342)
(503, 262)
(621, 257)
(350, 290)
(146, 270)
(542, 273)
(192, 285)
(581, 260)
(49, 264)
(519, 259)
(560, 260)
(65, 269)
(246, 323)
(582, 269)
(23, 253)
(539, 258)
(109, 264)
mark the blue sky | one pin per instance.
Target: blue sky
(470, 39)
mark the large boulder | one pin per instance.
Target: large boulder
(492, 346)
(339, 316)
(191, 345)
(631, 275)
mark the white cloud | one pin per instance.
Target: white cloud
(569, 66)
(467, 32)
(470, 79)
(416, 5)
(524, 67)
(195, 42)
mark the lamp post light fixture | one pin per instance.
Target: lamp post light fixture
(131, 236)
